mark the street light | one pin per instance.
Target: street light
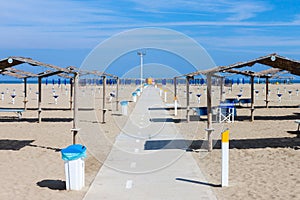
(141, 54)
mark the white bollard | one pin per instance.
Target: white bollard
(160, 92)
(165, 96)
(2, 96)
(138, 92)
(175, 106)
(225, 158)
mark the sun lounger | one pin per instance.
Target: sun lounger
(17, 111)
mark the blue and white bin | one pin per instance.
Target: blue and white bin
(74, 156)
(124, 105)
(138, 91)
(134, 96)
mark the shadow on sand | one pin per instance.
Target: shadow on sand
(190, 145)
(52, 184)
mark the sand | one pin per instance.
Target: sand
(264, 154)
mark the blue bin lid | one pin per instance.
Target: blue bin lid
(134, 94)
(138, 90)
(73, 152)
(124, 103)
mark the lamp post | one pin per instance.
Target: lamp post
(141, 54)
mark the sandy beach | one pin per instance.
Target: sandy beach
(264, 154)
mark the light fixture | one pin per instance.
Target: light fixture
(273, 58)
(10, 60)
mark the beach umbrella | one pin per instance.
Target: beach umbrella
(65, 81)
(59, 81)
(46, 81)
(243, 81)
(53, 82)
(202, 81)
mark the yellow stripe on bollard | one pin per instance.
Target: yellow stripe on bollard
(225, 136)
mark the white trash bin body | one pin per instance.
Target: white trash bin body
(134, 96)
(74, 170)
(124, 105)
(138, 92)
(73, 157)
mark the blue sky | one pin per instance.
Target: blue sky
(63, 32)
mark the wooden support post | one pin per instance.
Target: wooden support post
(175, 97)
(117, 95)
(103, 103)
(25, 93)
(252, 98)
(267, 92)
(187, 98)
(75, 128)
(39, 99)
(209, 128)
(221, 89)
(71, 91)
(175, 87)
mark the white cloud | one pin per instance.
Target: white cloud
(235, 11)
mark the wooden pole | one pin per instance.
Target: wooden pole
(267, 92)
(117, 95)
(221, 88)
(252, 98)
(25, 93)
(39, 99)
(75, 128)
(187, 98)
(209, 128)
(103, 102)
(175, 88)
(71, 91)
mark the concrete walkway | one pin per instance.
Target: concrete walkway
(148, 160)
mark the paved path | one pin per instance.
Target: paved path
(148, 160)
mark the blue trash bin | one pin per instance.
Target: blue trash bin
(74, 156)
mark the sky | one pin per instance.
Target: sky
(65, 32)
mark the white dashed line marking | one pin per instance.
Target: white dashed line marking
(129, 184)
(133, 165)
(136, 150)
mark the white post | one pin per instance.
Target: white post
(160, 92)
(225, 157)
(165, 96)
